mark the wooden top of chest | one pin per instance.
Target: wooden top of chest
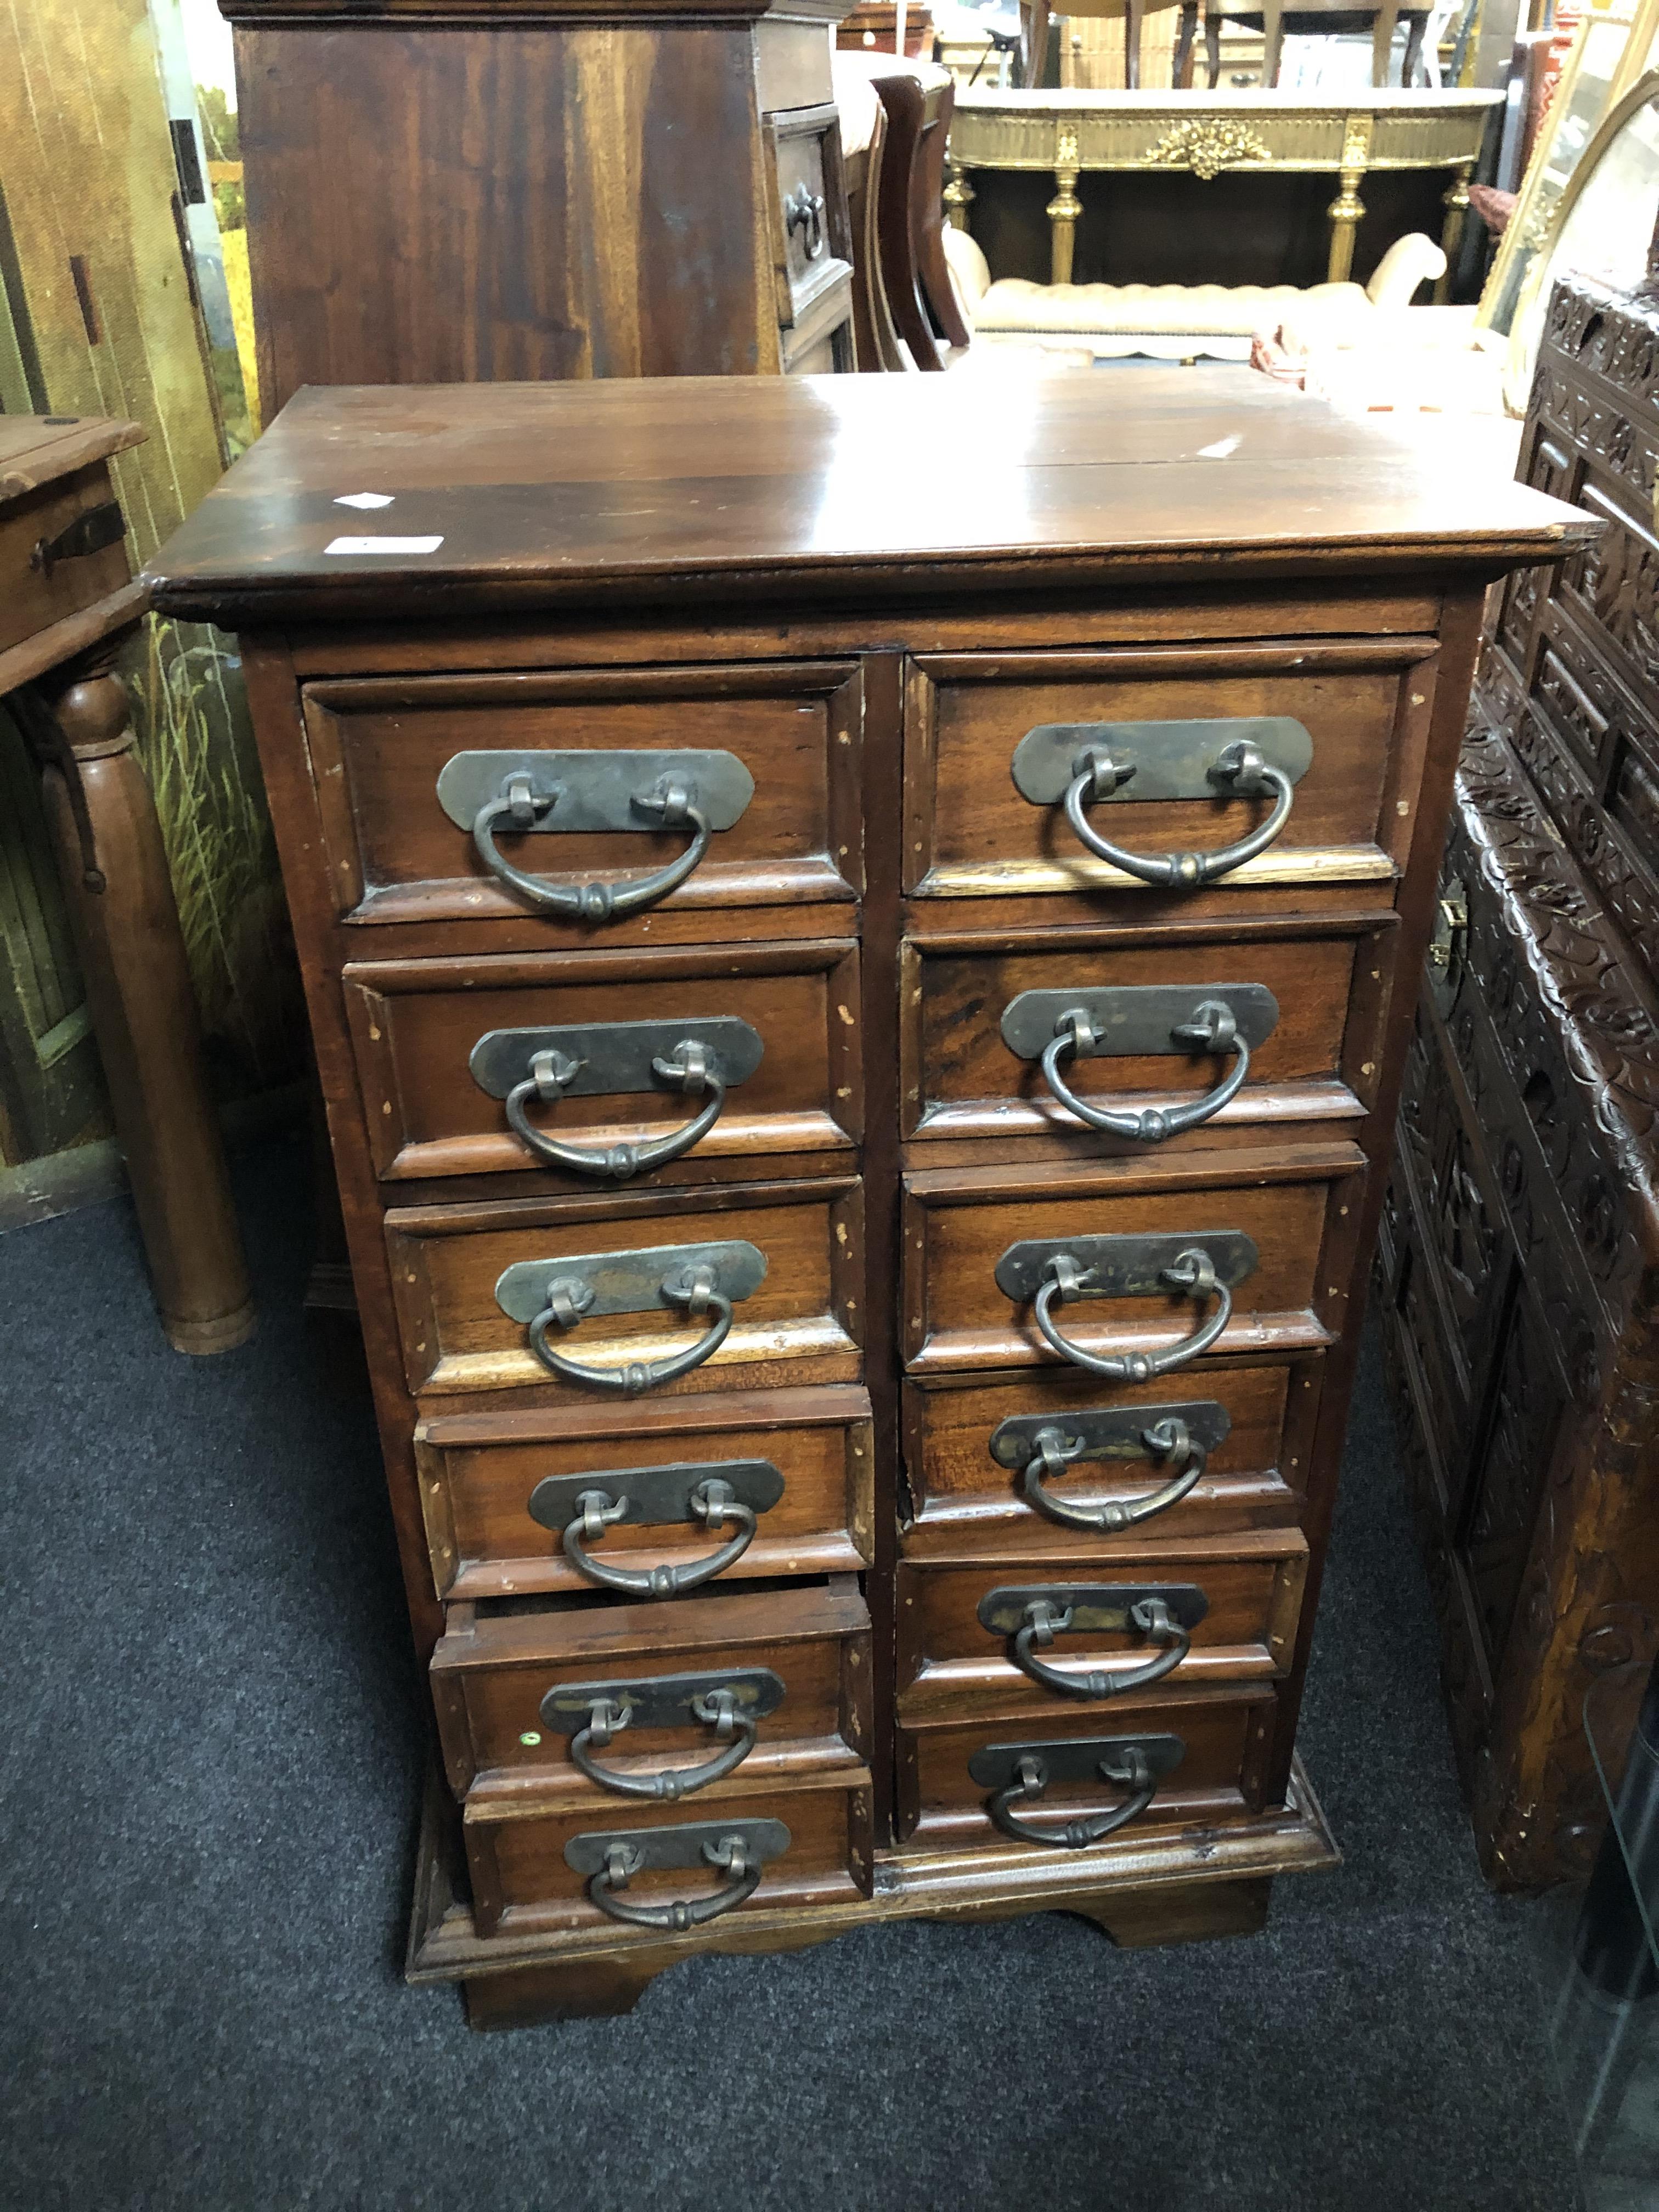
(596, 493)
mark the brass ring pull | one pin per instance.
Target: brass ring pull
(568, 1298)
(518, 804)
(1134, 1773)
(1212, 1029)
(714, 1504)
(691, 1068)
(1043, 1623)
(1240, 770)
(1191, 1271)
(607, 1721)
(1169, 1441)
(623, 1862)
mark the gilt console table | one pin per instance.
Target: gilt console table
(861, 1037)
(1215, 134)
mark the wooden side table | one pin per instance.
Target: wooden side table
(68, 604)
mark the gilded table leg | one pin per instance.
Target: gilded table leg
(119, 896)
(1347, 208)
(958, 195)
(1063, 210)
(1455, 201)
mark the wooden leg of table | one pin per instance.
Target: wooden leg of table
(1346, 209)
(958, 195)
(1213, 41)
(1413, 50)
(121, 909)
(1188, 1912)
(1063, 211)
(1273, 41)
(1181, 78)
(1382, 43)
(1455, 202)
(1133, 11)
(595, 1989)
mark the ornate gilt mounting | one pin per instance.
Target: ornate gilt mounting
(1206, 147)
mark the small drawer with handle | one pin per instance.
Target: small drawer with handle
(589, 1069)
(572, 802)
(1125, 1273)
(1031, 1631)
(1171, 767)
(1070, 1781)
(653, 1701)
(603, 1301)
(1119, 1049)
(544, 1861)
(648, 1500)
(1032, 1458)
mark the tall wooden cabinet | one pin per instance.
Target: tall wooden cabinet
(860, 1033)
(1521, 1250)
(461, 189)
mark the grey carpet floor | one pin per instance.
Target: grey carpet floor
(211, 1746)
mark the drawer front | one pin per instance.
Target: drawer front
(966, 1635)
(980, 1245)
(443, 1047)
(788, 1257)
(499, 1492)
(516, 1683)
(978, 1016)
(379, 746)
(811, 244)
(77, 515)
(812, 1840)
(1362, 707)
(1203, 1758)
(1006, 1459)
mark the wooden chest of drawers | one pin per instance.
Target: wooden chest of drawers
(858, 1020)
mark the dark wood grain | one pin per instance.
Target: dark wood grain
(478, 1472)
(605, 494)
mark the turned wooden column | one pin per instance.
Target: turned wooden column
(114, 868)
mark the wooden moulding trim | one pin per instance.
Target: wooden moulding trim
(236, 602)
(834, 1553)
(1106, 664)
(371, 14)
(1106, 1178)
(816, 1337)
(909, 1885)
(1111, 934)
(1325, 864)
(828, 1406)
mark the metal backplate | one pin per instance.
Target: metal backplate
(654, 1496)
(1123, 1266)
(597, 790)
(662, 1701)
(677, 1847)
(1171, 760)
(1106, 1431)
(629, 1282)
(1077, 1760)
(612, 1057)
(1133, 1018)
(1097, 1608)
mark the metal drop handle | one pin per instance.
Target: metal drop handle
(607, 1721)
(518, 804)
(1191, 1272)
(691, 1068)
(570, 1296)
(622, 1863)
(1043, 1622)
(1168, 1441)
(1212, 1029)
(1031, 1779)
(712, 1502)
(1240, 767)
